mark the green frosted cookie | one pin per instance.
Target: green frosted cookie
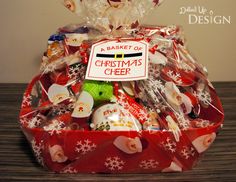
(100, 91)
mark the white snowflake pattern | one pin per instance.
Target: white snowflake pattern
(74, 71)
(158, 85)
(154, 71)
(27, 99)
(38, 149)
(142, 115)
(122, 97)
(69, 170)
(114, 163)
(175, 77)
(149, 164)
(203, 123)
(187, 152)
(24, 121)
(148, 87)
(85, 146)
(61, 110)
(122, 101)
(169, 145)
(203, 96)
(183, 123)
(34, 122)
(55, 127)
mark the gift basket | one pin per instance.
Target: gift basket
(113, 96)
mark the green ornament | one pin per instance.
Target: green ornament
(100, 91)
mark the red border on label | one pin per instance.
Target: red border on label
(130, 78)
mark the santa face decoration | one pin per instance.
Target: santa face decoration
(84, 105)
(128, 145)
(75, 40)
(57, 154)
(203, 142)
(178, 100)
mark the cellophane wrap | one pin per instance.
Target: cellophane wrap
(160, 124)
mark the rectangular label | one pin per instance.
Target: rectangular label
(123, 60)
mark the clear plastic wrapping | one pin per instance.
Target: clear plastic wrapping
(112, 15)
(159, 124)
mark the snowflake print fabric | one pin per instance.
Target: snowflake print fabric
(124, 122)
(38, 149)
(169, 145)
(148, 164)
(85, 146)
(114, 163)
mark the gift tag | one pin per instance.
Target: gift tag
(84, 105)
(113, 60)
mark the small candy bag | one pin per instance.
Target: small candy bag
(113, 96)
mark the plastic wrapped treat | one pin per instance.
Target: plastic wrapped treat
(113, 96)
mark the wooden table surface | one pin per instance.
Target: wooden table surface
(17, 162)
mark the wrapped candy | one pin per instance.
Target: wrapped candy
(118, 96)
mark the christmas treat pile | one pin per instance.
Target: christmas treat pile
(116, 97)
